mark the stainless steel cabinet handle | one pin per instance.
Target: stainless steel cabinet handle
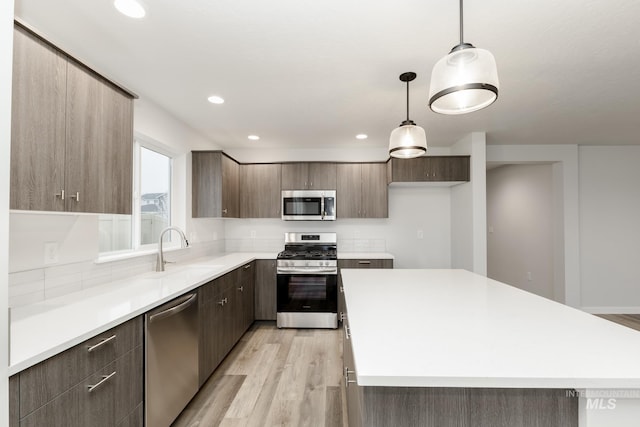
(246, 267)
(101, 343)
(223, 301)
(342, 289)
(104, 379)
(364, 262)
(60, 194)
(182, 303)
(76, 196)
(224, 211)
(347, 381)
(241, 288)
(347, 333)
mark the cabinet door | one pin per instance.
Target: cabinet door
(14, 401)
(348, 191)
(450, 168)
(115, 167)
(295, 176)
(231, 316)
(82, 158)
(375, 203)
(98, 150)
(129, 383)
(322, 176)
(37, 124)
(260, 194)
(206, 349)
(230, 188)
(352, 390)
(265, 292)
(206, 184)
(247, 287)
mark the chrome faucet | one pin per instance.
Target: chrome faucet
(160, 262)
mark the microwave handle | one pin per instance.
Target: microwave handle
(322, 211)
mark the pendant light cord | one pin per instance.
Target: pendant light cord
(407, 101)
(461, 31)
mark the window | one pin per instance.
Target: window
(155, 195)
(152, 204)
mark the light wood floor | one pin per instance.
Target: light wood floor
(274, 377)
(284, 377)
(629, 320)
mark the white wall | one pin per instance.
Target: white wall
(566, 206)
(6, 46)
(610, 229)
(468, 209)
(520, 227)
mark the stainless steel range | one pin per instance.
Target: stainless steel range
(307, 272)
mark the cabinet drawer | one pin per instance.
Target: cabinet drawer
(134, 419)
(365, 263)
(46, 380)
(79, 406)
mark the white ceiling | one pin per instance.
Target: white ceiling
(313, 74)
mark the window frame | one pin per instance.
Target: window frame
(142, 141)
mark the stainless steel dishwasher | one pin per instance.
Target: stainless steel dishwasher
(171, 355)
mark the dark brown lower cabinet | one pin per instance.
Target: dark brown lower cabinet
(357, 263)
(134, 419)
(14, 401)
(452, 407)
(265, 291)
(96, 383)
(225, 314)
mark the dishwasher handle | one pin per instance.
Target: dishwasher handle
(182, 304)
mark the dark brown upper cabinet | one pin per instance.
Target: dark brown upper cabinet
(309, 176)
(362, 191)
(429, 169)
(260, 195)
(72, 134)
(215, 185)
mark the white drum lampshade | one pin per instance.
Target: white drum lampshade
(465, 80)
(407, 140)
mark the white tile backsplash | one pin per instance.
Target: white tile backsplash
(38, 284)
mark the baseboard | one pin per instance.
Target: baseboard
(611, 310)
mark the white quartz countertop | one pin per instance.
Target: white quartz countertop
(39, 331)
(453, 328)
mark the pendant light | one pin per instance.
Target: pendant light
(408, 140)
(465, 80)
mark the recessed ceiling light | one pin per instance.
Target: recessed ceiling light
(214, 99)
(362, 136)
(253, 137)
(130, 8)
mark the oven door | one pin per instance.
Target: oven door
(307, 293)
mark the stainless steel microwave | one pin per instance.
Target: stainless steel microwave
(309, 205)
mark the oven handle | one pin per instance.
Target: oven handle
(331, 270)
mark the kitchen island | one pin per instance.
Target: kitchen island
(453, 348)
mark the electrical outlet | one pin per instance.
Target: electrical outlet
(51, 250)
(420, 234)
(529, 276)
